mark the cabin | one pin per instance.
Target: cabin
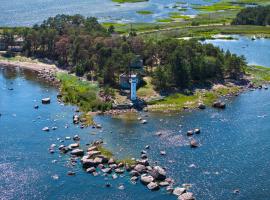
(17, 45)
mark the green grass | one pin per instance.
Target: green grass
(81, 93)
(177, 101)
(104, 151)
(258, 74)
(176, 15)
(147, 90)
(219, 6)
(165, 20)
(144, 12)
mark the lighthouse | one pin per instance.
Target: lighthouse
(133, 85)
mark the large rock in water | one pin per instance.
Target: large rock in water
(178, 191)
(87, 163)
(77, 152)
(158, 173)
(146, 179)
(46, 100)
(219, 104)
(153, 186)
(140, 168)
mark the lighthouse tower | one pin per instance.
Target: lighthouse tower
(133, 84)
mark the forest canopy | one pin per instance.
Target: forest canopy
(253, 16)
(82, 45)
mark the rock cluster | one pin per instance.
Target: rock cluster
(48, 76)
(94, 162)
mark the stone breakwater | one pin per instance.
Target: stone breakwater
(96, 161)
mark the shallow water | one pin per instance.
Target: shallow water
(29, 12)
(256, 52)
(234, 151)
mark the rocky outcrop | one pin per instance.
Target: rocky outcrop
(46, 100)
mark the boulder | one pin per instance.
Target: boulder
(133, 178)
(194, 143)
(119, 171)
(201, 106)
(92, 148)
(146, 179)
(153, 186)
(107, 170)
(93, 153)
(46, 129)
(90, 169)
(114, 176)
(86, 163)
(197, 131)
(144, 162)
(147, 147)
(111, 161)
(163, 153)
(219, 104)
(158, 173)
(77, 152)
(163, 184)
(76, 119)
(73, 146)
(178, 191)
(97, 161)
(134, 173)
(143, 156)
(186, 196)
(140, 168)
(70, 173)
(46, 101)
(76, 138)
(189, 133)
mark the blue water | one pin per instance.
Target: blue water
(234, 151)
(256, 52)
(29, 12)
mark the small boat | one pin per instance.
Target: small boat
(253, 38)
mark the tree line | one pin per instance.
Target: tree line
(259, 15)
(82, 45)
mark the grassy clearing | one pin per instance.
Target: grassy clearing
(220, 6)
(144, 12)
(258, 74)
(147, 90)
(176, 15)
(81, 93)
(109, 154)
(177, 102)
(165, 20)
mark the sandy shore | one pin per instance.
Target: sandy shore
(29, 65)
